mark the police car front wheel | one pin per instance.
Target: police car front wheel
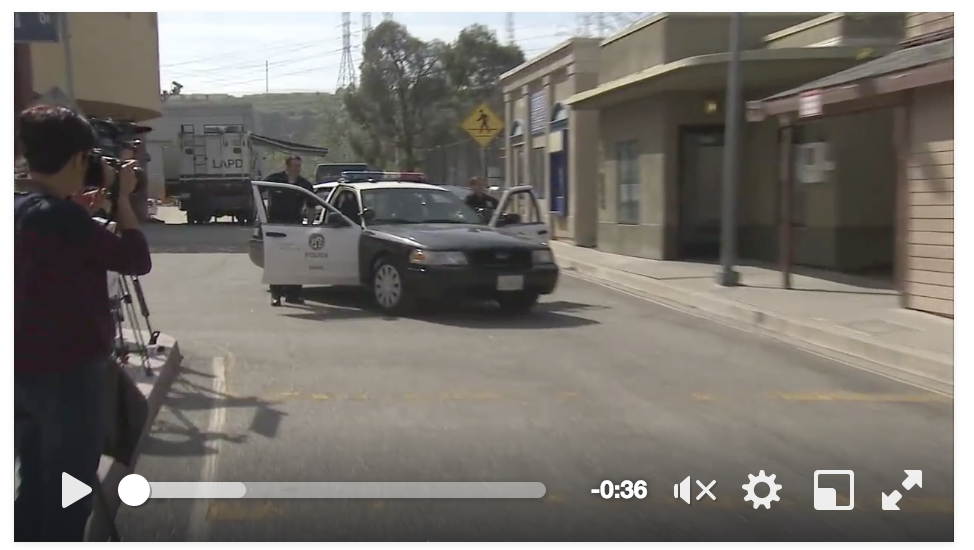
(388, 288)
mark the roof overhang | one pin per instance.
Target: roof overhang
(776, 68)
(867, 87)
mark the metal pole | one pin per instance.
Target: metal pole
(68, 59)
(267, 77)
(483, 165)
(727, 276)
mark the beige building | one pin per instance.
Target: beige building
(909, 94)
(115, 64)
(660, 110)
(552, 147)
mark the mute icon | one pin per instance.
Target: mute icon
(681, 490)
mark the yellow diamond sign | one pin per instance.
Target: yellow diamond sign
(483, 125)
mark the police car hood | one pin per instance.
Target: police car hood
(451, 236)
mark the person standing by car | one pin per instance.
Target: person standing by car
(478, 199)
(64, 331)
(288, 208)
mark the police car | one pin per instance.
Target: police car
(407, 242)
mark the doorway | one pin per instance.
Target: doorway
(701, 161)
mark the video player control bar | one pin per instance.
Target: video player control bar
(135, 484)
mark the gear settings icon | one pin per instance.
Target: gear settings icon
(773, 489)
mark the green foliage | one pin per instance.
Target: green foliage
(413, 95)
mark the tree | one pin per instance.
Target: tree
(476, 60)
(402, 85)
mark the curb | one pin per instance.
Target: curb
(110, 473)
(921, 369)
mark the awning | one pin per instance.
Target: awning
(772, 68)
(287, 146)
(901, 70)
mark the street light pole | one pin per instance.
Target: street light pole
(727, 276)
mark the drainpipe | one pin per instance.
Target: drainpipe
(727, 276)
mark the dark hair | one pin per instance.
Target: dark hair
(51, 135)
(291, 158)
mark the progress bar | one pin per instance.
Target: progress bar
(135, 488)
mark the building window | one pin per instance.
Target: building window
(627, 177)
(538, 112)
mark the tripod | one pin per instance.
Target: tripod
(124, 307)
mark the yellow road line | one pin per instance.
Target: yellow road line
(863, 397)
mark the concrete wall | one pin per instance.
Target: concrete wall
(841, 28)
(644, 121)
(565, 70)
(102, 44)
(930, 172)
(926, 22)
(673, 36)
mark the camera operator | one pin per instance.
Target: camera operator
(63, 326)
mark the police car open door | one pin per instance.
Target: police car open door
(322, 251)
(518, 212)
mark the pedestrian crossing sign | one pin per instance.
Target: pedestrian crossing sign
(483, 125)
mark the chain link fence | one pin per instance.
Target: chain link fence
(456, 163)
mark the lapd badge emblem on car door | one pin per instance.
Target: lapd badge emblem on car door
(316, 242)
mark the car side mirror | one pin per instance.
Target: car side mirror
(368, 214)
(511, 218)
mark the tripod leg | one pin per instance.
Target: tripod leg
(144, 307)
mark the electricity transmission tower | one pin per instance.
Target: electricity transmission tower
(509, 27)
(599, 24)
(366, 26)
(387, 16)
(346, 74)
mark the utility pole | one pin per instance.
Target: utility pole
(366, 26)
(727, 276)
(509, 27)
(267, 77)
(386, 16)
(68, 58)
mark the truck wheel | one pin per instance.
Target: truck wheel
(389, 289)
(517, 302)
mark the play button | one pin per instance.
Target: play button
(72, 490)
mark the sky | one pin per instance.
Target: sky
(226, 52)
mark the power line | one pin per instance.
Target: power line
(236, 77)
(244, 66)
(270, 46)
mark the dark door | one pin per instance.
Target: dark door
(701, 161)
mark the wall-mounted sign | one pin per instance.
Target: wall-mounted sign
(36, 27)
(538, 109)
(810, 103)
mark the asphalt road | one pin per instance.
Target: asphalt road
(595, 385)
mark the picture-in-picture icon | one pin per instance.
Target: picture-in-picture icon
(827, 498)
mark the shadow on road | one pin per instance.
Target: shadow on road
(179, 436)
(328, 304)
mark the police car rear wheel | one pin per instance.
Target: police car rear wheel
(388, 288)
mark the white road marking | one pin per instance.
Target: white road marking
(199, 529)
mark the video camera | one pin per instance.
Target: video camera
(113, 137)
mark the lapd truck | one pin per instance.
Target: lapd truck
(213, 156)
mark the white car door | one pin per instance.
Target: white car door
(324, 252)
(518, 212)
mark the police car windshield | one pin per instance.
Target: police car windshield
(411, 205)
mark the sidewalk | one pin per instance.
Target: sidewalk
(843, 320)
(164, 367)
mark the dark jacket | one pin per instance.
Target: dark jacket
(62, 311)
(285, 206)
(480, 200)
